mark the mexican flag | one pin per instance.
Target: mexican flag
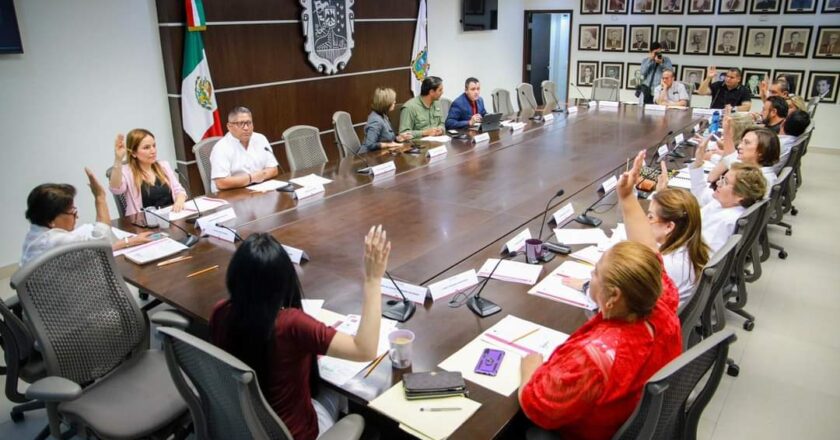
(199, 111)
(419, 51)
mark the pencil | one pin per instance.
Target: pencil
(526, 335)
(203, 271)
(375, 364)
(174, 260)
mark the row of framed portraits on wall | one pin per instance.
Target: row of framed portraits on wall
(819, 83)
(754, 41)
(702, 7)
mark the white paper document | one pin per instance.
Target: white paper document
(146, 253)
(310, 179)
(204, 204)
(268, 185)
(312, 307)
(512, 271)
(552, 287)
(119, 233)
(339, 371)
(589, 254)
(679, 182)
(580, 236)
(442, 138)
(574, 269)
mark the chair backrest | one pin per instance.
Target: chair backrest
(221, 391)
(345, 136)
(812, 106)
(202, 151)
(525, 97)
(18, 345)
(777, 192)
(749, 225)
(605, 89)
(303, 147)
(80, 310)
(549, 92)
(669, 409)
(119, 199)
(445, 104)
(501, 102)
(689, 88)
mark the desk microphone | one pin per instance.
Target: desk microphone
(186, 182)
(656, 148)
(557, 106)
(589, 220)
(483, 307)
(189, 241)
(545, 212)
(235, 234)
(289, 187)
(270, 151)
(400, 311)
(585, 101)
(366, 169)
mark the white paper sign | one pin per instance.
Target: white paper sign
(613, 104)
(384, 168)
(295, 254)
(571, 109)
(517, 243)
(679, 138)
(516, 126)
(453, 285)
(609, 184)
(434, 152)
(308, 191)
(663, 151)
(697, 128)
(563, 213)
(483, 137)
(703, 111)
(412, 292)
(217, 217)
(310, 179)
(655, 107)
(548, 118)
(219, 232)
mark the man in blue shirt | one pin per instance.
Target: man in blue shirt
(467, 109)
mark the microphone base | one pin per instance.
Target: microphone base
(190, 241)
(677, 154)
(400, 311)
(588, 220)
(287, 189)
(483, 307)
(365, 170)
(558, 110)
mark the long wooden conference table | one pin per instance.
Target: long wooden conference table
(443, 217)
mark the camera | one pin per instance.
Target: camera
(658, 55)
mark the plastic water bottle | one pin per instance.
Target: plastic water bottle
(715, 125)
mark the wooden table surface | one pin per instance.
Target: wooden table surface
(442, 218)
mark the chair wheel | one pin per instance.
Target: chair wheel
(783, 255)
(17, 417)
(749, 325)
(733, 370)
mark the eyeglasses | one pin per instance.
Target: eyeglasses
(722, 181)
(74, 212)
(242, 124)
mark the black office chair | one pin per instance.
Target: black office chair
(749, 225)
(119, 199)
(776, 212)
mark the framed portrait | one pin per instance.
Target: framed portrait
(589, 7)
(760, 41)
(830, 6)
(823, 84)
(634, 76)
(793, 41)
(801, 6)
(732, 6)
(9, 32)
(613, 70)
(615, 6)
(752, 78)
(614, 38)
(697, 40)
(728, 40)
(587, 71)
(676, 69)
(721, 74)
(589, 37)
(798, 79)
(640, 38)
(669, 37)
(692, 76)
(828, 42)
(700, 7)
(671, 6)
(766, 6)
(641, 7)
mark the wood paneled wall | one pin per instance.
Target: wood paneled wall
(248, 50)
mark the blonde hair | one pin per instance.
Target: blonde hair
(132, 142)
(680, 207)
(739, 123)
(749, 183)
(383, 98)
(634, 269)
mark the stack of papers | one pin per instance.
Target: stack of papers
(517, 338)
(512, 271)
(268, 185)
(426, 419)
(155, 250)
(589, 254)
(310, 180)
(580, 236)
(204, 204)
(552, 287)
(443, 138)
(340, 371)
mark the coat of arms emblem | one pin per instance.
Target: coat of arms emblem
(328, 28)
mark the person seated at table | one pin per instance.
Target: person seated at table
(734, 127)
(421, 116)
(670, 92)
(591, 383)
(793, 127)
(759, 147)
(378, 131)
(263, 324)
(782, 87)
(52, 216)
(726, 92)
(467, 109)
(150, 183)
(773, 113)
(242, 156)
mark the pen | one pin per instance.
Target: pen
(375, 364)
(174, 260)
(448, 408)
(526, 334)
(203, 271)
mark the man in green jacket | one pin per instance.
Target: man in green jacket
(421, 115)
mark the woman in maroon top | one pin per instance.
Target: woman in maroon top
(592, 383)
(263, 325)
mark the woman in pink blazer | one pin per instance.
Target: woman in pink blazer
(147, 182)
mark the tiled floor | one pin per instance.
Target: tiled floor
(789, 385)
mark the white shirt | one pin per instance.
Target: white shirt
(769, 173)
(675, 93)
(787, 142)
(718, 222)
(679, 268)
(230, 158)
(40, 239)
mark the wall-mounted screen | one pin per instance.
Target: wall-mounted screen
(480, 15)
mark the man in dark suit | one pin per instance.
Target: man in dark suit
(640, 43)
(831, 47)
(467, 109)
(727, 46)
(793, 46)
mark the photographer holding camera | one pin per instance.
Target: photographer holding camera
(652, 67)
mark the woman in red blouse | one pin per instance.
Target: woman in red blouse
(592, 383)
(264, 326)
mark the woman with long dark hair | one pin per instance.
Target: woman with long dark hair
(263, 325)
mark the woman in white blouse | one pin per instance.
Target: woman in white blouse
(759, 147)
(52, 214)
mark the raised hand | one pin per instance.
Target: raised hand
(662, 180)
(627, 182)
(377, 250)
(711, 72)
(119, 148)
(95, 187)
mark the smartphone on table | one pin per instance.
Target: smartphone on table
(490, 361)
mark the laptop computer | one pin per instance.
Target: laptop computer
(490, 122)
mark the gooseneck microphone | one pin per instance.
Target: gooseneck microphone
(289, 187)
(235, 234)
(366, 169)
(656, 148)
(400, 311)
(186, 182)
(545, 212)
(270, 151)
(484, 307)
(585, 101)
(189, 241)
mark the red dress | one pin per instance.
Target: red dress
(592, 383)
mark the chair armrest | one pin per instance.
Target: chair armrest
(12, 302)
(54, 389)
(350, 427)
(170, 318)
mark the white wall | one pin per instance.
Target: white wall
(89, 70)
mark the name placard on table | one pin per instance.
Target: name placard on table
(609, 184)
(308, 191)
(433, 152)
(548, 118)
(563, 213)
(517, 243)
(483, 137)
(387, 167)
(655, 107)
(453, 285)
(663, 150)
(412, 292)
